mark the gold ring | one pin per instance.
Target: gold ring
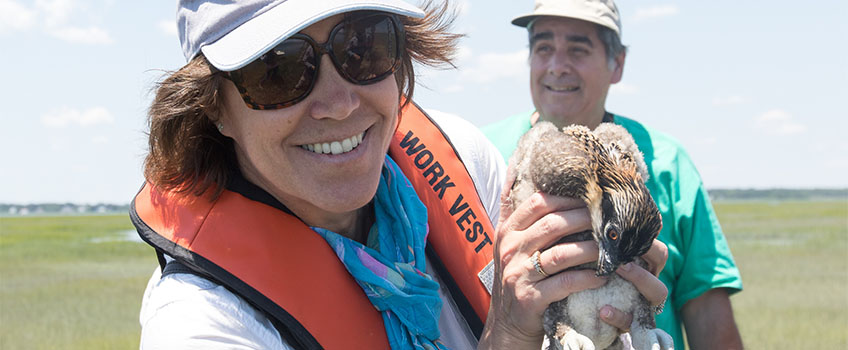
(537, 264)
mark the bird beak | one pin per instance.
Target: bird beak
(606, 263)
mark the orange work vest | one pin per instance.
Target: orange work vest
(279, 265)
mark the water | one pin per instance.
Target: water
(121, 236)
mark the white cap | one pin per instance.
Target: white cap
(603, 12)
(232, 33)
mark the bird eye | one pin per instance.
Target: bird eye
(612, 234)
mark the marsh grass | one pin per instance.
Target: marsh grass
(76, 282)
(71, 282)
(793, 257)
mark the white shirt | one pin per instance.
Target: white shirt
(185, 311)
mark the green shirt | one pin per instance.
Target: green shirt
(699, 258)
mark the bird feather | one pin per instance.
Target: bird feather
(606, 170)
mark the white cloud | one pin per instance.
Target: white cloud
(56, 18)
(779, 122)
(14, 16)
(65, 116)
(655, 12)
(167, 27)
(89, 36)
(463, 53)
(774, 115)
(623, 89)
(56, 12)
(490, 67)
(728, 100)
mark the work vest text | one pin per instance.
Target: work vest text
(434, 173)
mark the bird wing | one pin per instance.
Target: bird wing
(621, 146)
(565, 164)
(520, 164)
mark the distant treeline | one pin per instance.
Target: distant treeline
(61, 209)
(779, 194)
(715, 194)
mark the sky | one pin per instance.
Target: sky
(752, 89)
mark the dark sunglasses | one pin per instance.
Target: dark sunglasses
(364, 48)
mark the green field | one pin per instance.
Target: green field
(71, 282)
(793, 257)
(75, 282)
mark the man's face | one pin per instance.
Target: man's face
(569, 74)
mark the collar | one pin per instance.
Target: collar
(608, 118)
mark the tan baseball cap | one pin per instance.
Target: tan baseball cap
(603, 12)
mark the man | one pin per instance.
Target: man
(575, 54)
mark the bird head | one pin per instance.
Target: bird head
(630, 221)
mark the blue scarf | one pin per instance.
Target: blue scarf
(390, 269)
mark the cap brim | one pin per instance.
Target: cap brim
(524, 21)
(258, 35)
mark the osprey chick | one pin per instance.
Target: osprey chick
(605, 169)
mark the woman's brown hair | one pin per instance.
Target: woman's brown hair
(189, 155)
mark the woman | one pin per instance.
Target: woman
(285, 123)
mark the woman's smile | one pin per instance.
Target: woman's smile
(335, 147)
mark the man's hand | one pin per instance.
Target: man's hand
(654, 291)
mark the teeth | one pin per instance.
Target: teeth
(561, 89)
(335, 147)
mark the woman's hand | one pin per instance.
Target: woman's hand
(520, 293)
